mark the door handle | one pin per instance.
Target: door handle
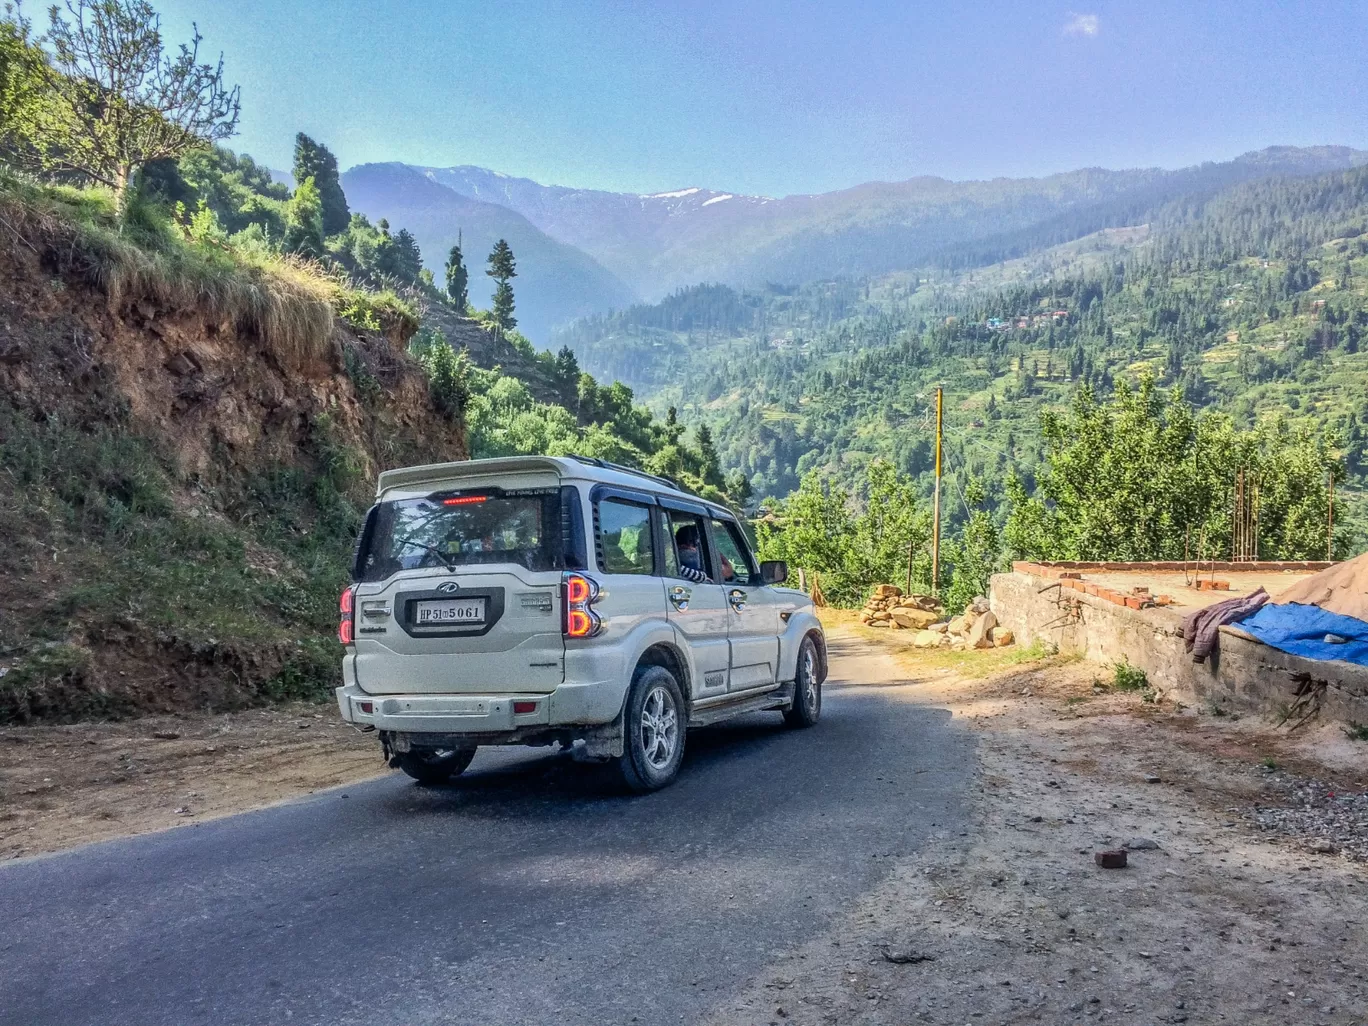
(737, 599)
(679, 595)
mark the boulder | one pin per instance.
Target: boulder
(927, 639)
(1002, 637)
(880, 623)
(978, 636)
(913, 619)
(961, 624)
(940, 628)
(885, 591)
(980, 604)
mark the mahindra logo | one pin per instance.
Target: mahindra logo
(448, 587)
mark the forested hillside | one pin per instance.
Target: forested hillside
(1251, 302)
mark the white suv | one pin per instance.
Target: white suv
(532, 600)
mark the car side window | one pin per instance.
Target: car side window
(625, 543)
(686, 551)
(737, 565)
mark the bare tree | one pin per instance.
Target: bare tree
(122, 101)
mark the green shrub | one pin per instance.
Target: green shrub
(1126, 677)
(310, 674)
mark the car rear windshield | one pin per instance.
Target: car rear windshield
(538, 529)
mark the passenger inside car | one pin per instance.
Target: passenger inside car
(690, 549)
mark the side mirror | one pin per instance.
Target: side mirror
(774, 571)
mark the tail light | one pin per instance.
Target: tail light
(578, 595)
(346, 606)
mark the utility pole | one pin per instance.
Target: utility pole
(935, 509)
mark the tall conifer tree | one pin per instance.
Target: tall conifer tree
(457, 279)
(503, 270)
(314, 160)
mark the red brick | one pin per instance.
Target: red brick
(1132, 602)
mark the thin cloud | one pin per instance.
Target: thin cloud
(1082, 25)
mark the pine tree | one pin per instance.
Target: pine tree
(567, 376)
(304, 222)
(314, 160)
(503, 270)
(407, 258)
(457, 279)
(709, 468)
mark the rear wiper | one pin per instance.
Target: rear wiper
(441, 556)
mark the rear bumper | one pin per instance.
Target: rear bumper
(586, 704)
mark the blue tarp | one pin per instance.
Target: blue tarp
(1301, 630)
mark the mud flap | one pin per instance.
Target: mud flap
(603, 743)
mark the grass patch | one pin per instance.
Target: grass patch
(50, 683)
(291, 304)
(1356, 731)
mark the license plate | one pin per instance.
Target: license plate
(447, 611)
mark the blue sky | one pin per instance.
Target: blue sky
(772, 97)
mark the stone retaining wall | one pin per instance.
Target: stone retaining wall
(1242, 674)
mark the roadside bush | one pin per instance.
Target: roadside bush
(1126, 677)
(819, 529)
(310, 674)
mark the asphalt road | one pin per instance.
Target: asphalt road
(528, 892)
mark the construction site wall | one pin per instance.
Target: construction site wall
(1242, 674)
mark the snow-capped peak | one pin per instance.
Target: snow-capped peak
(673, 195)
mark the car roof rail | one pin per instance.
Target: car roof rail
(594, 461)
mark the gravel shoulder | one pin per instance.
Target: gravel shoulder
(62, 786)
(1244, 899)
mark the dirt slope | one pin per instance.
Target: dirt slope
(178, 492)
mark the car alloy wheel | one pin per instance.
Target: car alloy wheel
(659, 727)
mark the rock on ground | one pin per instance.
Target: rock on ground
(979, 636)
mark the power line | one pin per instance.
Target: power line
(999, 452)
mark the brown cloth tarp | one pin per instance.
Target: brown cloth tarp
(1342, 589)
(1202, 626)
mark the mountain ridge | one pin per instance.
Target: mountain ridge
(658, 242)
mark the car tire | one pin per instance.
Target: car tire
(432, 768)
(654, 723)
(807, 687)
